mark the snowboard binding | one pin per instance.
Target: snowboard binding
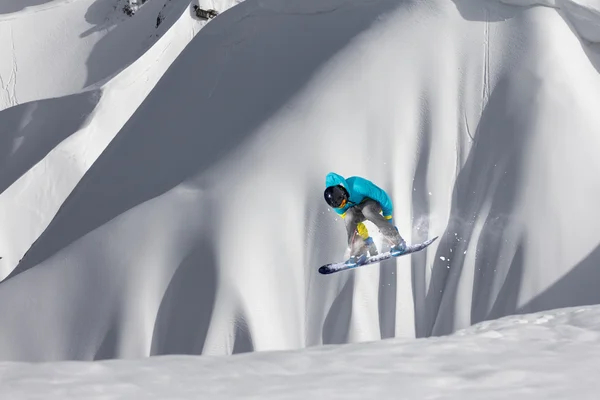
(357, 260)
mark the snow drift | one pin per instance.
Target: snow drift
(200, 227)
(548, 355)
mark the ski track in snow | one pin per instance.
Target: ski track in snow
(486, 61)
(14, 71)
(9, 86)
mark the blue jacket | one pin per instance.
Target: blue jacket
(360, 189)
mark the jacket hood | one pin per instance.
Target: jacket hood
(333, 179)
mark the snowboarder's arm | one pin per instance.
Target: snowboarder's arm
(341, 213)
(369, 189)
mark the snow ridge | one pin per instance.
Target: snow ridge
(583, 15)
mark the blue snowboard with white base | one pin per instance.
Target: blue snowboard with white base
(342, 266)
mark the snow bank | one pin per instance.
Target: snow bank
(540, 356)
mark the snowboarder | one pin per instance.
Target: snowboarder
(357, 200)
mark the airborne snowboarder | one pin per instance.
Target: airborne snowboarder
(357, 200)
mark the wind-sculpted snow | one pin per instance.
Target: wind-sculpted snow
(57, 48)
(583, 15)
(199, 229)
(541, 356)
(47, 145)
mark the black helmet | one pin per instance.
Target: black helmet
(335, 195)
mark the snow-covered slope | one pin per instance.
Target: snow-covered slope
(540, 356)
(57, 48)
(48, 143)
(200, 227)
(582, 15)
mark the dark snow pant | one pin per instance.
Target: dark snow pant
(368, 210)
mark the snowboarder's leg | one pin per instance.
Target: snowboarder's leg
(363, 232)
(371, 210)
(354, 229)
(351, 221)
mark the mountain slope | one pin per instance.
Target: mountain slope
(48, 143)
(200, 228)
(77, 44)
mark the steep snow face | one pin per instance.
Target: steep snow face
(201, 226)
(57, 48)
(79, 44)
(46, 145)
(550, 355)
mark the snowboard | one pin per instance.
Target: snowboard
(341, 266)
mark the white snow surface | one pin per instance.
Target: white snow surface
(161, 194)
(582, 15)
(551, 355)
(48, 143)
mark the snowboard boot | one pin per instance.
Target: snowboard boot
(399, 248)
(359, 253)
(398, 243)
(356, 260)
(371, 248)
